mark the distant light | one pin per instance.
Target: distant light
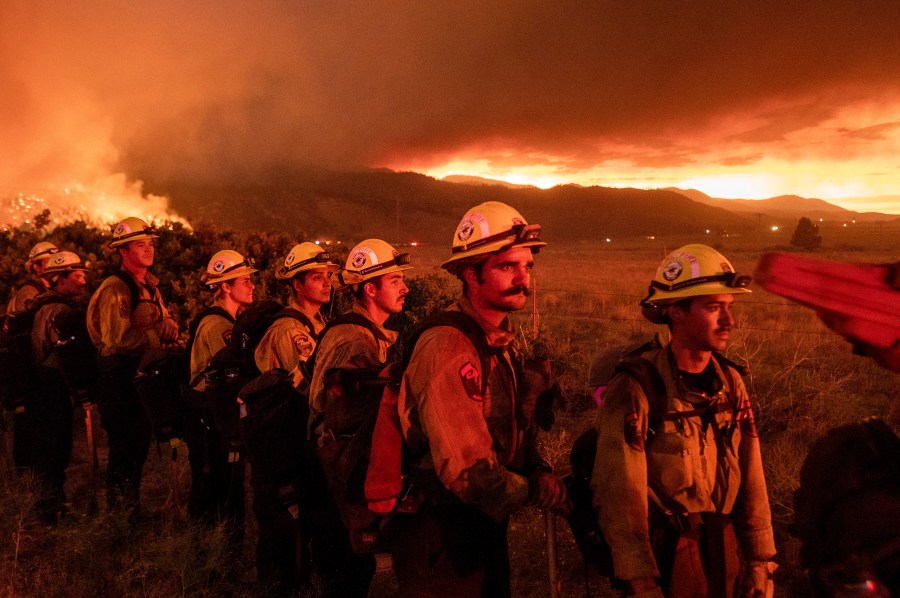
(820, 220)
(651, 237)
(608, 240)
(328, 242)
(414, 244)
(854, 221)
(775, 229)
(707, 231)
(845, 225)
(317, 243)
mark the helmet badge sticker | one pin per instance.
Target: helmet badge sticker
(120, 230)
(359, 258)
(726, 267)
(672, 270)
(218, 266)
(289, 259)
(517, 221)
(466, 228)
(59, 259)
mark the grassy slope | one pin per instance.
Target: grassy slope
(804, 381)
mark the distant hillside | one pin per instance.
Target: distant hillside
(405, 207)
(464, 179)
(782, 206)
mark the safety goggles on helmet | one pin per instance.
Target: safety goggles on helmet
(63, 262)
(519, 234)
(41, 251)
(401, 259)
(132, 229)
(325, 259)
(729, 279)
(248, 262)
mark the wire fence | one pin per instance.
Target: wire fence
(543, 316)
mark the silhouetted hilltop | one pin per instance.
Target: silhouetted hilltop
(792, 206)
(404, 207)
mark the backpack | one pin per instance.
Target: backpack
(273, 419)
(357, 475)
(76, 354)
(583, 520)
(847, 509)
(158, 385)
(213, 310)
(233, 366)
(17, 367)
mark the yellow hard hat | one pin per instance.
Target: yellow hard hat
(226, 265)
(131, 229)
(40, 251)
(370, 259)
(690, 271)
(487, 228)
(62, 262)
(303, 257)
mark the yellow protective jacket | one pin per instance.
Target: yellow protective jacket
(118, 328)
(682, 467)
(288, 343)
(213, 333)
(346, 346)
(43, 333)
(476, 441)
(26, 292)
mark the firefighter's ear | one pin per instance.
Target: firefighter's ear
(469, 276)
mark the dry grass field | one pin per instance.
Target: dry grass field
(803, 381)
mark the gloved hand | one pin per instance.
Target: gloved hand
(547, 491)
(756, 579)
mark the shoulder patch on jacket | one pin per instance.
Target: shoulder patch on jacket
(471, 380)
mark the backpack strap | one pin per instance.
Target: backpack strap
(35, 284)
(465, 324)
(651, 382)
(308, 366)
(133, 289)
(290, 312)
(213, 310)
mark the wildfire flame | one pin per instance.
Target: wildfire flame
(97, 206)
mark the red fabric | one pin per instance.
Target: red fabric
(384, 479)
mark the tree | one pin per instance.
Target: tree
(806, 235)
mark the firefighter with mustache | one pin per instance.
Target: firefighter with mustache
(468, 426)
(126, 317)
(678, 478)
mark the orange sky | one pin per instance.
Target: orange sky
(735, 99)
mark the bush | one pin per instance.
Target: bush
(806, 235)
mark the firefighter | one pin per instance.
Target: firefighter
(287, 344)
(678, 479)
(470, 438)
(51, 410)
(356, 344)
(34, 284)
(31, 287)
(126, 317)
(290, 340)
(217, 490)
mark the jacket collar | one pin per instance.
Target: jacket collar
(496, 336)
(388, 336)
